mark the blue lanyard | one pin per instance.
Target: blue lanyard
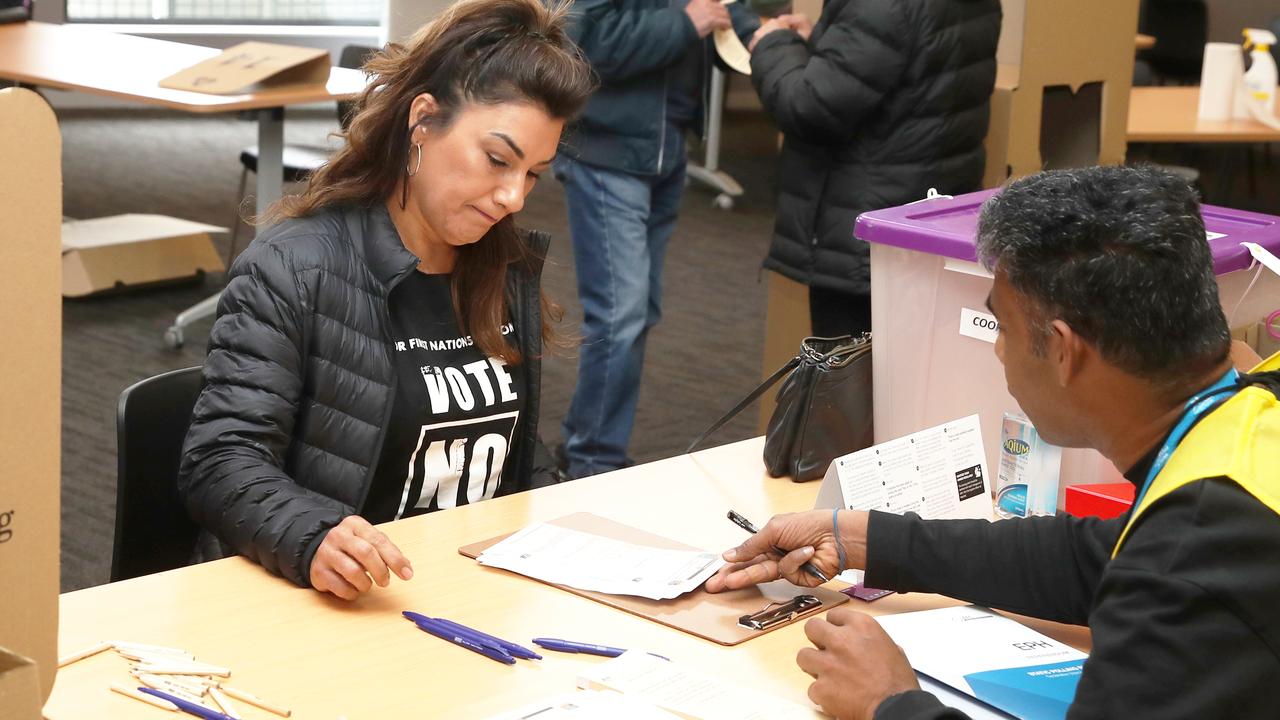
(1197, 407)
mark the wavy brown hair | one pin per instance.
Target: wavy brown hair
(477, 51)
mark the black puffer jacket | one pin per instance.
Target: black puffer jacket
(887, 99)
(299, 383)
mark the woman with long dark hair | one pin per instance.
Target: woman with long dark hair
(376, 352)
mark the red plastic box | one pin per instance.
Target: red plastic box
(1104, 500)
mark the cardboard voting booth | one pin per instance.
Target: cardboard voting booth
(251, 66)
(30, 395)
(934, 356)
(1062, 90)
(130, 250)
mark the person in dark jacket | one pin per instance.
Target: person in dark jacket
(878, 102)
(376, 353)
(1112, 336)
(623, 171)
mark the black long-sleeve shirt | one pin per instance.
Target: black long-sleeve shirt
(1185, 620)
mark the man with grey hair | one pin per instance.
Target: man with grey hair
(1112, 337)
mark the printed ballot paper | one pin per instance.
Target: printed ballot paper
(997, 660)
(585, 561)
(687, 693)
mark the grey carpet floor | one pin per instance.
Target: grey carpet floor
(701, 358)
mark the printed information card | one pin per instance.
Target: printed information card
(936, 473)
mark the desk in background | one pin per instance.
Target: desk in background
(325, 658)
(1168, 115)
(84, 59)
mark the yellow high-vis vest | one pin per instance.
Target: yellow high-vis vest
(1239, 440)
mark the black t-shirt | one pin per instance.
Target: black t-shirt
(454, 414)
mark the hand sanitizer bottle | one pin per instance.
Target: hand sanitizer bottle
(1027, 481)
(1257, 92)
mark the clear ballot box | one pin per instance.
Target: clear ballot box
(934, 355)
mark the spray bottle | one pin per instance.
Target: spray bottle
(1027, 483)
(1257, 95)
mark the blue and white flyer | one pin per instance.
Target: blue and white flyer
(996, 660)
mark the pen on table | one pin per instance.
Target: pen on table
(429, 625)
(186, 706)
(570, 646)
(512, 649)
(747, 525)
(130, 692)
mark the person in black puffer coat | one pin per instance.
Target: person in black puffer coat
(879, 101)
(376, 352)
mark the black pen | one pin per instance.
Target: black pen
(747, 525)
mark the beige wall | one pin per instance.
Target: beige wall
(1228, 17)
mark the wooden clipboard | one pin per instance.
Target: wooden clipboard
(709, 616)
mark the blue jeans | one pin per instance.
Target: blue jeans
(620, 225)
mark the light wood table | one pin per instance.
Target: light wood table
(85, 59)
(1168, 115)
(325, 658)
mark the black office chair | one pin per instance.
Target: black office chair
(153, 530)
(299, 160)
(1181, 28)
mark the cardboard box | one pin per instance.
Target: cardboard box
(128, 250)
(786, 325)
(1062, 90)
(250, 66)
(30, 393)
(20, 697)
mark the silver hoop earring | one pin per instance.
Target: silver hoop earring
(417, 163)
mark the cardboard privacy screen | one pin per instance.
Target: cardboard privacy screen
(133, 250)
(30, 393)
(245, 67)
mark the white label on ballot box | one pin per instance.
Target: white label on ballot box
(978, 325)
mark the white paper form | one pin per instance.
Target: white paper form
(585, 561)
(589, 705)
(685, 692)
(940, 472)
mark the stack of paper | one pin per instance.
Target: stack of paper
(686, 693)
(589, 705)
(584, 561)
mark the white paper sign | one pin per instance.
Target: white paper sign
(978, 325)
(940, 472)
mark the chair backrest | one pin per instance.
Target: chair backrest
(1181, 28)
(153, 530)
(353, 56)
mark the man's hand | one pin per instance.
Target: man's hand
(708, 16)
(786, 543)
(854, 663)
(353, 556)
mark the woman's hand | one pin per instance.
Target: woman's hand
(765, 28)
(799, 22)
(353, 556)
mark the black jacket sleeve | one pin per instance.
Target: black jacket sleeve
(1045, 567)
(916, 705)
(231, 478)
(622, 43)
(821, 93)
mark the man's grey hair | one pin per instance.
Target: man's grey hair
(1120, 255)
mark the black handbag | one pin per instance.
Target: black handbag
(823, 411)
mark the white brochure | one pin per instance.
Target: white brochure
(585, 561)
(937, 473)
(997, 660)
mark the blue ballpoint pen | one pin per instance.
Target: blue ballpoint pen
(570, 646)
(483, 638)
(445, 633)
(186, 705)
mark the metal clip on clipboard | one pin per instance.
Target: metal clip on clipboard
(775, 613)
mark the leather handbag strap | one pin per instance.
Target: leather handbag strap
(772, 380)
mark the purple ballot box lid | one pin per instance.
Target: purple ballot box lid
(947, 226)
